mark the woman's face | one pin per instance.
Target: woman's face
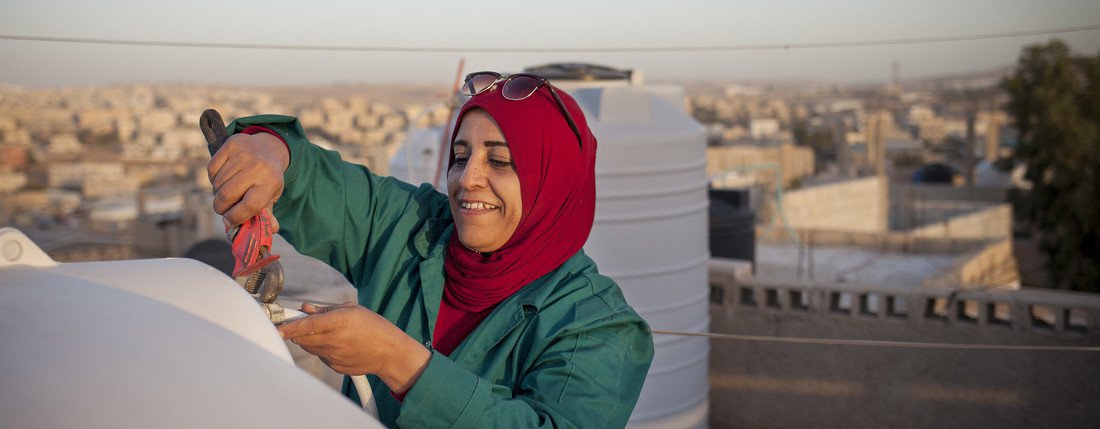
(483, 185)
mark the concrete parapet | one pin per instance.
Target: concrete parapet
(797, 355)
(1023, 312)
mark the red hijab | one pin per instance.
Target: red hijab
(558, 190)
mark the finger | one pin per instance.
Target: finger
(223, 156)
(306, 326)
(229, 194)
(249, 205)
(311, 308)
(319, 344)
(229, 169)
(296, 329)
(319, 351)
(271, 215)
(215, 165)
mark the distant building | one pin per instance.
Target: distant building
(742, 91)
(11, 181)
(14, 157)
(763, 128)
(64, 144)
(764, 163)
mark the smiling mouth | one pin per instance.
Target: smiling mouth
(477, 206)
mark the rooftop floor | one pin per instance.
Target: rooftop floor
(849, 264)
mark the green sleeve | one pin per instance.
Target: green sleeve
(588, 379)
(339, 212)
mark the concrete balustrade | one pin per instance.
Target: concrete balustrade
(1023, 311)
(1037, 369)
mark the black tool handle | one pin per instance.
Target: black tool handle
(213, 128)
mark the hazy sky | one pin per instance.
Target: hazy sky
(518, 24)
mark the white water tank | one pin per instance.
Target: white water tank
(417, 160)
(650, 235)
(158, 343)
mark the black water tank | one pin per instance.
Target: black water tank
(732, 225)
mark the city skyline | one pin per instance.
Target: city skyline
(665, 32)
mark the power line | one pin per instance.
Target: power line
(876, 343)
(701, 48)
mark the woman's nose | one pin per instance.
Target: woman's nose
(473, 176)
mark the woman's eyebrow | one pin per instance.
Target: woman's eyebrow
(492, 143)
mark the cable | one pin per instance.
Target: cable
(366, 395)
(711, 48)
(874, 343)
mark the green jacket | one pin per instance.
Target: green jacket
(564, 351)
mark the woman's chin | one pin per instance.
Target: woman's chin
(476, 245)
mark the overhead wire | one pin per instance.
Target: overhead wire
(876, 343)
(606, 49)
(879, 343)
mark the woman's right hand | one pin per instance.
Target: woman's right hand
(247, 175)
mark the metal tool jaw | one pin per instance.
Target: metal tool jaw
(255, 268)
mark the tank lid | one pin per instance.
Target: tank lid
(579, 71)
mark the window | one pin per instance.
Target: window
(800, 300)
(771, 298)
(869, 304)
(998, 314)
(966, 311)
(840, 302)
(748, 297)
(1041, 316)
(935, 308)
(896, 307)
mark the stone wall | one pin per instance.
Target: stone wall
(994, 265)
(854, 205)
(991, 223)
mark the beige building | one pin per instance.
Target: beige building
(64, 144)
(11, 181)
(796, 162)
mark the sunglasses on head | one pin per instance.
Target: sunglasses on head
(515, 87)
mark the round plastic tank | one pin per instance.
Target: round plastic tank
(155, 343)
(650, 235)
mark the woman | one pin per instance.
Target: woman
(477, 308)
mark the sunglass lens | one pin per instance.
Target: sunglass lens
(520, 87)
(477, 83)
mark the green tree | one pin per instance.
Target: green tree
(1055, 99)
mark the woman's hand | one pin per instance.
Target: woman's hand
(247, 175)
(353, 340)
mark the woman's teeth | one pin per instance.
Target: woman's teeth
(477, 206)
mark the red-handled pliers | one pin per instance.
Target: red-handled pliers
(254, 267)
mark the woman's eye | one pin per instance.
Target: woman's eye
(500, 163)
(461, 160)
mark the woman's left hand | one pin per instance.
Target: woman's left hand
(353, 340)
